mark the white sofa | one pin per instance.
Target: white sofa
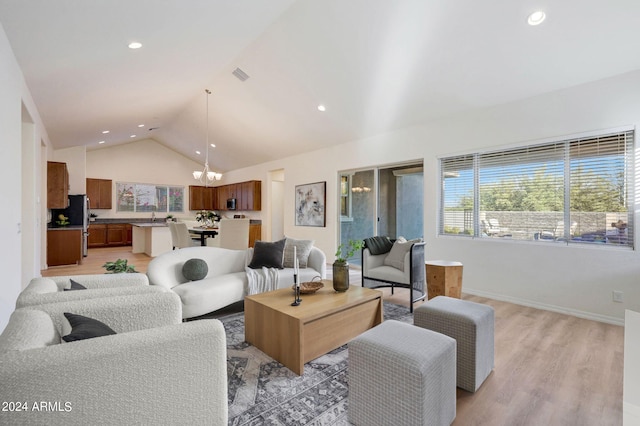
(155, 370)
(52, 290)
(226, 281)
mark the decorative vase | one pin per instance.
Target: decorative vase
(340, 276)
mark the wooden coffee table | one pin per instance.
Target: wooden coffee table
(325, 320)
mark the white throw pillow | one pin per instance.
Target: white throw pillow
(396, 256)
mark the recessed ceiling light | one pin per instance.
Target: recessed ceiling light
(321, 108)
(132, 136)
(135, 45)
(104, 132)
(198, 152)
(140, 125)
(213, 145)
(536, 18)
(101, 142)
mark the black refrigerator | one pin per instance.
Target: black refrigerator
(78, 214)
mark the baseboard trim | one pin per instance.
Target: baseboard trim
(524, 302)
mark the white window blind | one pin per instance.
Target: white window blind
(571, 191)
(457, 197)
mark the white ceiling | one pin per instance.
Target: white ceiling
(377, 65)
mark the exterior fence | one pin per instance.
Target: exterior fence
(529, 225)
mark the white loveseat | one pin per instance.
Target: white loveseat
(226, 281)
(155, 370)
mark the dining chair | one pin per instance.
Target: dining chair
(232, 234)
(180, 236)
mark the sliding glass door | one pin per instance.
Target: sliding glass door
(381, 201)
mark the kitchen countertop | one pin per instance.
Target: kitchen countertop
(151, 224)
(63, 228)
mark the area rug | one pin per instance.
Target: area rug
(264, 392)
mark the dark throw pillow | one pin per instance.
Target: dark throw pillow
(267, 255)
(378, 245)
(195, 269)
(75, 286)
(85, 328)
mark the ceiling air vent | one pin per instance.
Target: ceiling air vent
(242, 76)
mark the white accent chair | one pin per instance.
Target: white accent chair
(155, 370)
(233, 234)
(406, 272)
(42, 290)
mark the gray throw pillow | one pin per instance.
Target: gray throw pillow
(85, 328)
(303, 248)
(75, 286)
(395, 258)
(195, 269)
(267, 255)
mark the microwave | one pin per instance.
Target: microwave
(231, 204)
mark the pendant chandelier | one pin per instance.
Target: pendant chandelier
(207, 175)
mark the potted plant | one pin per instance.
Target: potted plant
(92, 217)
(118, 267)
(341, 264)
(207, 217)
(170, 218)
(62, 220)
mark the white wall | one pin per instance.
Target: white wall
(75, 158)
(12, 161)
(572, 279)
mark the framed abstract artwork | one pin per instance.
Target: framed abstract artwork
(310, 204)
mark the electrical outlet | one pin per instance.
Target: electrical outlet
(617, 296)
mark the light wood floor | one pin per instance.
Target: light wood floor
(96, 257)
(550, 369)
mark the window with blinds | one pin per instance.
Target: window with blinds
(573, 191)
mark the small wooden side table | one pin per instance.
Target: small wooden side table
(444, 278)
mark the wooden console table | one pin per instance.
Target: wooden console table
(325, 320)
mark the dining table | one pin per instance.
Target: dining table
(204, 233)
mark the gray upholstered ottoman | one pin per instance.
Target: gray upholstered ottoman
(471, 324)
(400, 374)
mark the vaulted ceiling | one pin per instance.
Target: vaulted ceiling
(376, 65)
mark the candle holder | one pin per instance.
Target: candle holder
(296, 300)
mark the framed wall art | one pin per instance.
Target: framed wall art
(310, 202)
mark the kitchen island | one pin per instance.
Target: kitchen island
(152, 238)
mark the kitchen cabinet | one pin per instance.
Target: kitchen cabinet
(99, 192)
(97, 235)
(202, 197)
(250, 197)
(64, 247)
(116, 234)
(221, 197)
(109, 235)
(255, 233)
(57, 185)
